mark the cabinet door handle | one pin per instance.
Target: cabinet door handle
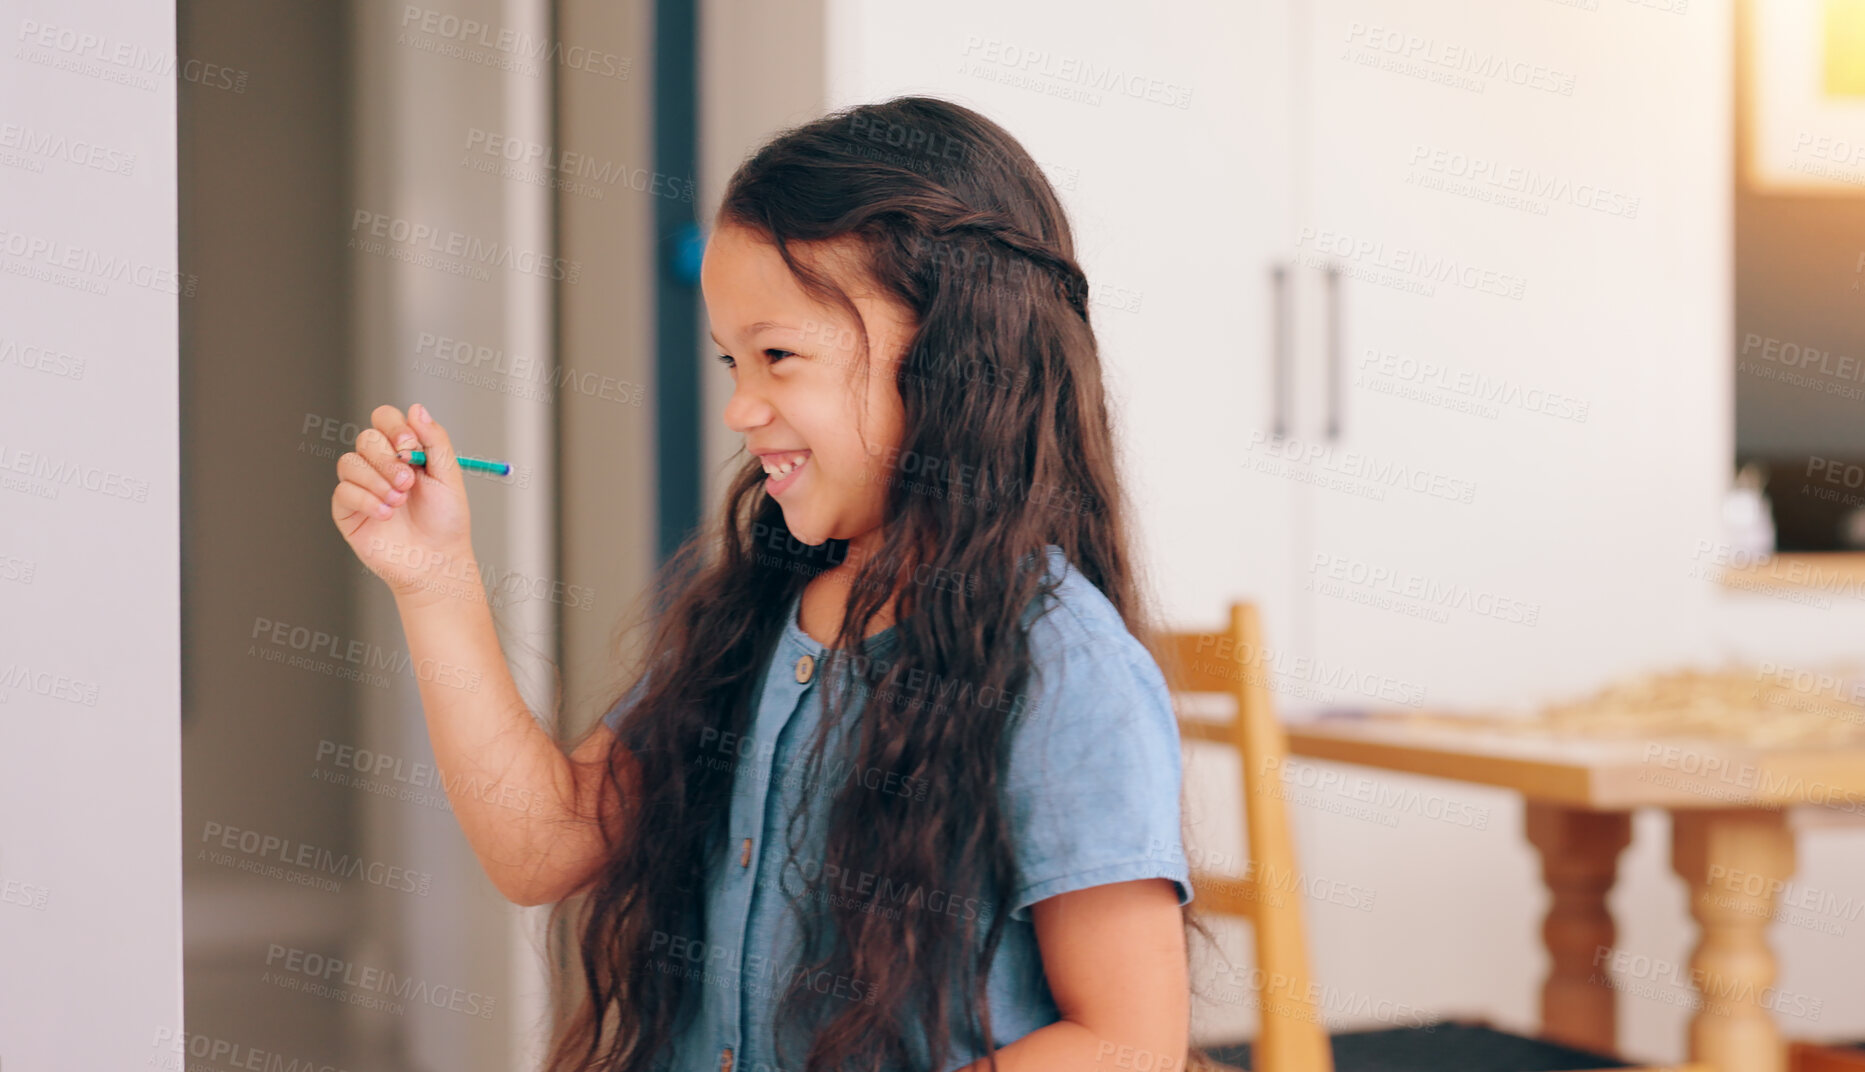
(1279, 348)
(1335, 372)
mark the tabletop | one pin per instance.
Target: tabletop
(1604, 773)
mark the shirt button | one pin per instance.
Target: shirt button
(805, 667)
(725, 1060)
(744, 854)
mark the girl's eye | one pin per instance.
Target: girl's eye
(772, 355)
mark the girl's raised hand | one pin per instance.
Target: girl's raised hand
(409, 524)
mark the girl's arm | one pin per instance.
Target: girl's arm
(527, 809)
(1134, 1016)
(524, 805)
(1093, 783)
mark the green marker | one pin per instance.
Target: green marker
(419, 457)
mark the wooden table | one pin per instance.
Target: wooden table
(1729, 841)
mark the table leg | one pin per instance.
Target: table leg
(1579, 861)
(1733, 861)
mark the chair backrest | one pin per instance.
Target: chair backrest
(1293, 1036)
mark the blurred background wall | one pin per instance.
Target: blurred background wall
(266, 387)
(400, 181)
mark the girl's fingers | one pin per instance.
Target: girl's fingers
(374, 448)
(441, 464)
(356, 469)
(394, 428)
(351, 499)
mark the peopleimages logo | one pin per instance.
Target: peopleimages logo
(1220, 655)
(301, 646)
(90, 269)
(1511, 185)
(45, 475)
(1358, 465)
(42, 359)
(1388, 800)
(565, 162)
(86, 154)
(124, 62)
(1801, 357)
(1107, 77)
(1683, 767)
(1486, 393)
(429, 239)
(1705, 985)
(525, 48)
(282, 857)
(314, 973)
(1479, 63)
(1367, 258)
(228, 1053)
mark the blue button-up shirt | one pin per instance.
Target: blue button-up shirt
(1093, 794)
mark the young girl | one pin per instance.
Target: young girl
(899, 787)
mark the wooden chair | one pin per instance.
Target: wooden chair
(1293, 1035)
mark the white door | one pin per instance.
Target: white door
(1531, 228)
(1211, 367)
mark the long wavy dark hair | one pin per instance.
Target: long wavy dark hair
(1006, 446)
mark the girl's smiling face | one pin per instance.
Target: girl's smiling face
(798, 397)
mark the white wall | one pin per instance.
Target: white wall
(90, 703)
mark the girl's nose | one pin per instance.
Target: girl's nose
(746, 410)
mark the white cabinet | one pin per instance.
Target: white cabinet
(1529, 210)
(1209, 370)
